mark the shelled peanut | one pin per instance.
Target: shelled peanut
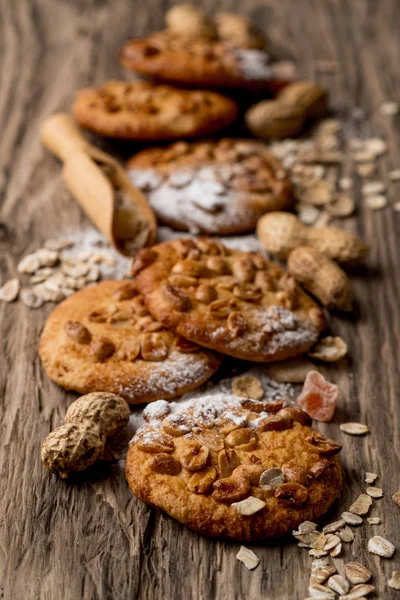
(286, 115)
(321, 277)
(281, 232)
(80, 442)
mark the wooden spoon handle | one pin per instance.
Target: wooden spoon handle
(60, 134)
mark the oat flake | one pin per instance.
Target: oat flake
(354, 428)
(248, 558)
(9, 291)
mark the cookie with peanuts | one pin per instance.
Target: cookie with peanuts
(237, 303)
(138, 110)
(104, 339)
(194, 50)
(215, 187)
(230, 467)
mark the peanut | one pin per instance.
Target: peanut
(280, 233)
(188, 21)
(80, 442)
(285, 116)
(321, 277)
(272, 119)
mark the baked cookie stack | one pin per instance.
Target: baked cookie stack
(226, 466)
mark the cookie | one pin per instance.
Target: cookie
(231, 467)
(103, 339)
(220, 187)
(235, 302)
(205, 62)
(138, 110)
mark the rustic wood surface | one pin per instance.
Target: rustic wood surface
(63, 541)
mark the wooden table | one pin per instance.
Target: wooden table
(62, 541)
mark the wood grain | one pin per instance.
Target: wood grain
(93, 540)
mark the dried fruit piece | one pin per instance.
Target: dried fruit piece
(374, 492)
(201, 481)
(165, 464)
(248, 558)
(394, 581)
(318, 397)
(293, 494)
(294, 370)
(329, 349)
(362, 505)
(357, 572)
(354, 428)
(380, 546)
(351, 518)
(247, 386)
(248, 506)
(9, 291)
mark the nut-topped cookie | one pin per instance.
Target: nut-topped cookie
(216, 187)
(197, 51)
(104, 339)
(137, 110)
(235, 302)
(232, 467)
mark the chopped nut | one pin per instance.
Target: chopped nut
(243, 438)
(77, 332)
(101, 349)
(354, 428)
(155, 442)
(293, 494)
(357, 572)
(339, 584)
(378, 545)
(394, 581)
(228, 460)
(248, 558)
(370, 477)
(165, 464)
(346, 534)
(329, 349)
(373, 520)
(324, 445)
(230, 489)
(247, 386)
(248, 506)
(362, 505)
(352, 519)
(9, 291)
(374, 492)
(177, 425)
(194, 456)
(201, 481)
(156, 410)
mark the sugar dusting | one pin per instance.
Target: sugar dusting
(254, 64)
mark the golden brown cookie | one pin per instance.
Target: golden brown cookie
(231, 467)
(138, 110)
(220, 187)
(104, 339)
(205, 62)
(237, 303)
